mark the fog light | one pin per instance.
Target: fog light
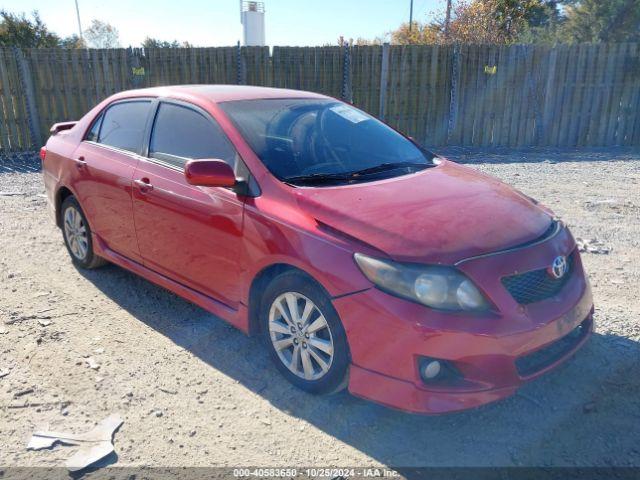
(430, 369)
(438, 372)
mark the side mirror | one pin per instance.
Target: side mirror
(209, 173)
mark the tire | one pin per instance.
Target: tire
(320, 372)
(77, 235)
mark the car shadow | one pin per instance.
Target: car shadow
(541, 425)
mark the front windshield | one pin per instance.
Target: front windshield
(314, 141)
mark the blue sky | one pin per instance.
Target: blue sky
(217, 22)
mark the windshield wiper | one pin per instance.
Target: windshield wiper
(318, 178)
(383, 167)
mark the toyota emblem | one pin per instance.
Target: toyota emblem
(558, 267)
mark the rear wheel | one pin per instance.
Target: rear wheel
(77, 235)
(306, 339)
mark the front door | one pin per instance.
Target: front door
(190, 234)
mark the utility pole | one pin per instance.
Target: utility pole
(79, 24)
(410, 15)
(447, 20)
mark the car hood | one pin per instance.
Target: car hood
(439, 215)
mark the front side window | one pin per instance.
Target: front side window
(323, 141)
(94, 133)
(123, 125)
(181, 133)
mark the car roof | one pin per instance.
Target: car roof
(218, 93)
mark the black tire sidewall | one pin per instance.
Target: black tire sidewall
(89, 258)
(335, 379)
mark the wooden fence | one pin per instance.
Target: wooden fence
(467, 95)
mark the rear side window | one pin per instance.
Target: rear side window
(181, 133)
(123, 125)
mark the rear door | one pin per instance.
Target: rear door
(105, 161)
(190, 234)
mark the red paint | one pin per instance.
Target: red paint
(101, 181)
(438, 215)
(208, 243)
(190, 234)
(209, 173)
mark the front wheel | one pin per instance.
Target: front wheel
(77, 235)
(306, 339)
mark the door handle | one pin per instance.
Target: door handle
(143, 185)
(80, 162)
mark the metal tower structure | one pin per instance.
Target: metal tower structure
(252, 18)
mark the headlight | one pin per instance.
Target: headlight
(443, 288)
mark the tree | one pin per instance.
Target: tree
(498, 21)
(102, 35)
(602, 21)
(547, 13)
(544, 27)
(365, 41)
(155, 43)
(480, 21)
(476, 22)
(528, 21)
(72, 42)
(513, 16)
(20, 31)
(419, 34)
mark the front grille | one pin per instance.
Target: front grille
(540, 359)
(536, 285)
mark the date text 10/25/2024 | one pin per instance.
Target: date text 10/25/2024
(314, 472)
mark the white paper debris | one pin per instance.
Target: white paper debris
(94, 444)
(92, 363)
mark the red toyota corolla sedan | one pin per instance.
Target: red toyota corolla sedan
(361, 258)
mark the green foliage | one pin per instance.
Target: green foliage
(156, 43)
(20, 31)
(482, 22)
(603, 21)
(513, 15)
(529, 21)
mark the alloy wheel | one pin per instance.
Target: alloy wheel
(301, 336)
(75, 232)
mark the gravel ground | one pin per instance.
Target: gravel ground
(193, 391)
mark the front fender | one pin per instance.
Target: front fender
(269, 241)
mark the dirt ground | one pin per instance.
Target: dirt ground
(195, 392)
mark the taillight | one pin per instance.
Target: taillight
(43, 153)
